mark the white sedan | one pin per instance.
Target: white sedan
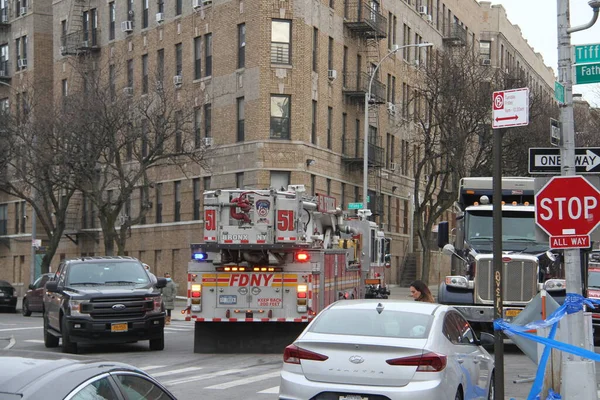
(388, 350)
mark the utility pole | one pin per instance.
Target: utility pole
(578, 374)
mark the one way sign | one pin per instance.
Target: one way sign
(546, 160)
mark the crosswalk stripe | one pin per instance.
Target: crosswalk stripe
(239, 382)
(34, 341)
(21, 329)
(202, 377)
(149, 367)
(273, 390)
(176, 371)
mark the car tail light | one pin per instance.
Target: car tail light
(429, 362)
(293, 354)
(196, 297)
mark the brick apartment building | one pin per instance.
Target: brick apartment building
(278, 87)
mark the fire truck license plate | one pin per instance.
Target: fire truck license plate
(121, 327)
(512, 313)
(353, 397)
(227, 299)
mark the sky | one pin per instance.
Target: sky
(537, 20)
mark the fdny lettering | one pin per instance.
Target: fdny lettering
(236, 237)
(252, 280)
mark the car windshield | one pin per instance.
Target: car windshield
(594, 279)
(393, 324)
(107, 273)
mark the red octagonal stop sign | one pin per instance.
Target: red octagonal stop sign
(567, 206)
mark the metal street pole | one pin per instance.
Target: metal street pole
(497, 258)
(366, 117)
(578, 374)
(33, 222)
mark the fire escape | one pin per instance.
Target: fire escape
(80, 35)
(5, 72)
(366, 23)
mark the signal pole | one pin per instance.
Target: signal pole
(577, 373)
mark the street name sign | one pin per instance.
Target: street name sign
(546, 160)
(510, 108)
(567, 209)
(559, 92)
(355, 206)
(586, 73)
(586, 53)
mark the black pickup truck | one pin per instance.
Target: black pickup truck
(96, 300)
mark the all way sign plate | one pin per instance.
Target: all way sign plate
(546, 160)
(510, 108)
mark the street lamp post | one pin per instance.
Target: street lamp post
(33, 223)
(366, 117)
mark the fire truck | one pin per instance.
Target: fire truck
(270, 261)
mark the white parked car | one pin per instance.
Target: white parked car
(388, 349)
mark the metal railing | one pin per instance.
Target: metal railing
(353, 151)
(80, 41)
(456, 34)
(4, 71)
(364, 17)
(357, 84)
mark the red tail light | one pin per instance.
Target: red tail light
(430, 362)
(293, 354)
(302, 257)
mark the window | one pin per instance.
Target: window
(178, 7)
(144, 14)
(329, 127)
(240, 119)
(315, 50)
(129, 10)
(330, 54)
(343, 199)
(405, 218)
(197, 57)
(17, 8)
(345, 67)
(145, 73)
(393, 90)
(24, 50)
(197, 125)
(390, 27)
(17, 213)
(280, 117)
(178, 59)
(281, 40)
(177, 204)
(3, 219)
(143, 206)
(111, 20)
(389, 88)
(99, 389)
(207, 120)
(313, 131)
(485, 49)
(395, 29)
(241, 46)
(280, 179)
(239, 180)
(136, 387)
(65, 88)
(159, 203)
(208, 55)
(328, 183)
(196, 193)
(85, 22)
(160, 68)
(313, 184)
(344, 131)
(406, 50)
(161, 6)
(145, 138)
(130, 73)
(206, 182)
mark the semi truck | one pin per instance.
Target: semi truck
(528, 264)
(270, 261)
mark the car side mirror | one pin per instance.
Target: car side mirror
(31, 286)
(52, 286)
(161, 283)
(486, 339)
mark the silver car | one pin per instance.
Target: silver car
(388, 349)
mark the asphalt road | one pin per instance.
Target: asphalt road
(211, 376)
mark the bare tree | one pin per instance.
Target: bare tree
(129, 140)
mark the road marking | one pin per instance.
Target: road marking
(274, 389)
(34, 341)
(176, 371)
(149, 367)
(177, 330)
(244, 381)
(20, 329)
(202, 377)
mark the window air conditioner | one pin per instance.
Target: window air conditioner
(208, 141)
(127, 26)
(197, 4)
(423, 10)
(391, 107)
(23, 10)
(486, 61)
(331, 74)
(429, 18)
(393, 166)
(160, 17)
(128, 91)
(178, 80)
(22, 63)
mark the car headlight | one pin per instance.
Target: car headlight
(457, 281)
(77, 306)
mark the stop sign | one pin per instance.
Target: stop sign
(567, 205)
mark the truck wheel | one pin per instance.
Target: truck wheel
(50, 340)
(67, 345)
(25, 309)
(158, 343)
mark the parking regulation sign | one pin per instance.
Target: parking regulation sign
(510, 108)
